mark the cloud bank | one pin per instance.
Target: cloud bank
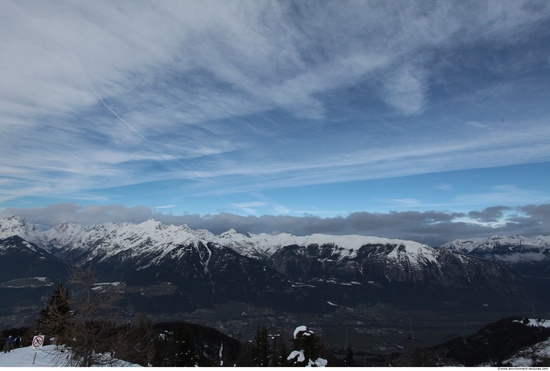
(431, 227)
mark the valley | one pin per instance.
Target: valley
(376, 329)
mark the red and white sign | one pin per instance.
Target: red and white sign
(37, 341)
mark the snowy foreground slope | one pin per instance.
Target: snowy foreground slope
(524, 358)
(48, 356)
(530, 355)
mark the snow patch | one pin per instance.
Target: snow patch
(299, 329)
(28, 282)
(297, 353)
(535, 322)
(319, 362)
(49, 356)
(525, 357)
(104, 285)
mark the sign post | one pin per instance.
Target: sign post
(37, 342)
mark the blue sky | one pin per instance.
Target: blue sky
(244, 109)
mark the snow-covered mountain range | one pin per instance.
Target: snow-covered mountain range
(174, 268)
(152, 236)
(108, 239)
(529, 256)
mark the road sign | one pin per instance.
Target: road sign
(37, 342)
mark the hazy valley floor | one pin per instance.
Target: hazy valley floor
(376, 329)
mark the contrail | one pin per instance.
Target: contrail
(197, 174)
(133, 129)
(120, 118)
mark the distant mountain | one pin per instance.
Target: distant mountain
(167, 269)
(527, 256)
(15, 226)
(20, 258)
(411, 275)
(509, 248)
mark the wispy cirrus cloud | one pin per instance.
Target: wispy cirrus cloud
(164, 207)
(99, 95)
(444, 187)
(500, 193)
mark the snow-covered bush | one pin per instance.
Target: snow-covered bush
(307, 349)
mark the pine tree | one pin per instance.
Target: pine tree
(55, 317)
(348, 362)
(279, 352)
(261, 348)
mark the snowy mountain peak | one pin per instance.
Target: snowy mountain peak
(12, 222)
(16, 226)
(153, 235)
(68, 228)
(527, 254)
(152, 224)
(497, 241)
(228, 233)
(510, 240)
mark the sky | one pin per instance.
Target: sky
(426, 120)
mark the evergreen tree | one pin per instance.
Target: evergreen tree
(55, 317)
(348, 362)
(80, 322)
(280, 352)
(261, 348)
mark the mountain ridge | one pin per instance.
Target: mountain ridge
(69, 236)
(261, 245)
(487, 244)
(169, 268)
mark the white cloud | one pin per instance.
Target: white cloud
(165, 207)
(249, 204)
(444, 187)
(249, 207)
(102, 94)
(504, 195)
(402, 202)
(405, 88)
(477, 124)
